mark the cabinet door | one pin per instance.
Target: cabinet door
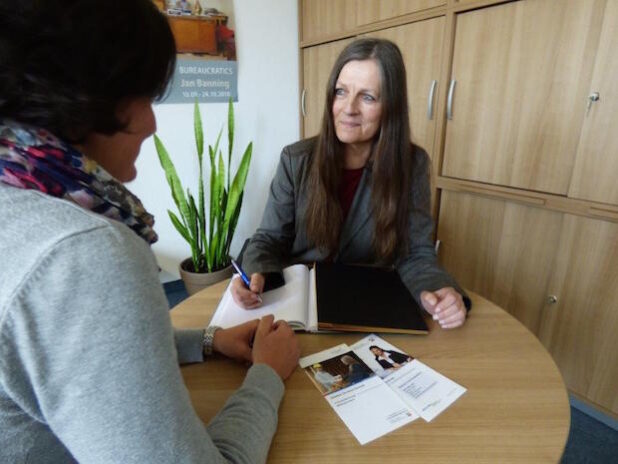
(522, 73)
(421, 47)
(322, 18)
(317, 64)
(371, 11)
(595, 176)
(580, 329)
(502, 250)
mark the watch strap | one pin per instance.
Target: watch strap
(209, 338)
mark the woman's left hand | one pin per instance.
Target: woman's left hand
(236, 341)
(446, 306)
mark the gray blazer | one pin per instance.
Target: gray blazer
(281, 239)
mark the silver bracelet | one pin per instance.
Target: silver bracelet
(209, 338)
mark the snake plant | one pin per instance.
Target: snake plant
(209, 234)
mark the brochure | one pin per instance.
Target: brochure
(376, 388)
(426, 391)
(365, 403)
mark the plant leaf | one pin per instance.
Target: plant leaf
(194, 221)
(211, 210)
(222, 200)
(215, 149)
(221, 230)
(221, 178)
(212, 151)
(172, 179)
(197, 129)
(230, 139)
(213, 195)
(215, 246)
(199, 141)
(238, 185)
(232, 226)
(182, 230)
(198, 259)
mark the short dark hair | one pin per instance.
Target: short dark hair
(66, 65)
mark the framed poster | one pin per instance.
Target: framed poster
(206, 66)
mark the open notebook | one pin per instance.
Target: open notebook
(333, 297)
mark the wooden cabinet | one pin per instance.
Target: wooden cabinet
(580, 329)
(521, 74)
(317, 64)
(371, 11)
(557, 273)
(501, 250)
(421, 46)
(324, 18)
(595, 176)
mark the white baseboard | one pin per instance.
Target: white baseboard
(594, 413)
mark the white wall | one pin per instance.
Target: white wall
(223, 6)
(266, 113)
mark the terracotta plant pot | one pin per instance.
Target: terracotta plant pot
(196, 281)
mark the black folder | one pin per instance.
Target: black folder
(365, 299)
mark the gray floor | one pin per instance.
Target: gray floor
(593, 437)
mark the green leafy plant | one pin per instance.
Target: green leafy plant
(209, 236)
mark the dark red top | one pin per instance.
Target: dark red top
(349, 183)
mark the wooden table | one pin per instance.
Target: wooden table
(516, 408)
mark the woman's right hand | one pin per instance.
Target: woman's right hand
(245, 297)
(276, 345)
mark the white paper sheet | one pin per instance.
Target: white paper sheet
(367, 406)
(426, 391)
(288, 302)
(370, 409)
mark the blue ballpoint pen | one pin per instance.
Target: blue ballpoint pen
(244, 277)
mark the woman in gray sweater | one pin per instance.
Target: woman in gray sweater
(88, 357)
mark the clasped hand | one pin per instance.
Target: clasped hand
(446, 306)
(260, 341)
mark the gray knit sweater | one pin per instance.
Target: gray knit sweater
(88, 357)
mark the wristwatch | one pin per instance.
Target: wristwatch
(209, 338)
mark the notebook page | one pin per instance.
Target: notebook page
(288, 302)
(312, 304)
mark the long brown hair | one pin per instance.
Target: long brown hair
(391, 157)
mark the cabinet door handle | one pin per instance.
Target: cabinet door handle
(432, 91)
(449, 103)
(303, 109)
(593, 97)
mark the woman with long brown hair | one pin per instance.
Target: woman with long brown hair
(357, 193)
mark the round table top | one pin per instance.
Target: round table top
(516, 407)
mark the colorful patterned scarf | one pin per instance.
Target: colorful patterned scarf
(32, 158)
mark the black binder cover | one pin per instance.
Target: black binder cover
(365, 299)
